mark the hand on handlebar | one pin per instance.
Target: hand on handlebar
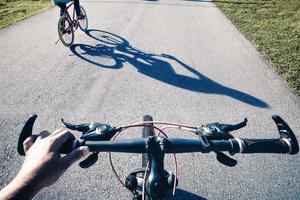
(43, 164)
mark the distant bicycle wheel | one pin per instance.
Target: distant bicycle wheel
(83, 23)
(65, 31)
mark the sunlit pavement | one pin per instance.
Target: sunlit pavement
(180, 61)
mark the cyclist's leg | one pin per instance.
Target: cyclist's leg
(62, 7)
(77, 10)
(77, 7)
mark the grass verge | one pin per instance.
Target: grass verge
(274, 27)
(12, 11)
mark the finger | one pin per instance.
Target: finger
(42, 135)
(74, 156)
(60, 137)
(56, 132)
(29, 142)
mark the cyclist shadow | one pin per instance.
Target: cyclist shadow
(157, 66)
(184, 195)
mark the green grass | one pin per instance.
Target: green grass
(12, 11)
(273, 26)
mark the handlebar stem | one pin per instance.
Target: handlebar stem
(156, 184)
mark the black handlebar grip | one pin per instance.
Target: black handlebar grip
(265, 146)
(25, 133)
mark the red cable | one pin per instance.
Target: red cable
(144, 124)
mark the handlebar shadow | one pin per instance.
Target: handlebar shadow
(157, 66)
(184, 195)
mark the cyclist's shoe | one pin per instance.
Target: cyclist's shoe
(69, 30)
(63, 30)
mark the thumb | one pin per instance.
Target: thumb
(74, 156)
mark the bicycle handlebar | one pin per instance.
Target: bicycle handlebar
(176, 145)
(214, 137)
(267, 146)
(208, 142)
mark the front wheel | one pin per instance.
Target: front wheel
(65, 31)
(147, 131)
(83, 23)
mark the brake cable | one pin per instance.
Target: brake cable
(160, 130)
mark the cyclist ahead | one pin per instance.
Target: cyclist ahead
(62, 5)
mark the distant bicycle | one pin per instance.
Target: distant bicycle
(67, 24)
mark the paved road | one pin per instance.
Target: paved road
(180, 61)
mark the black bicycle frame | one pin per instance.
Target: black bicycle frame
(67, 13)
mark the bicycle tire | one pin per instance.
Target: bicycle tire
(65, 31)
(83, 23)
(147, 131)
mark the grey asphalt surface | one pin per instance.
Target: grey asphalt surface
(180, 61)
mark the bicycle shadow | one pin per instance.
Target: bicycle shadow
(184, 195)
(157, 66)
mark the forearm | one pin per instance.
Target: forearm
(43, 165)
(19, 189)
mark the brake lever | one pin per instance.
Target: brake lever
(79, 127)
(94, 131)
(217, 131)
(228, 127)
(225, 160)
(213, 131)
(100, 132)
(89, 161)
